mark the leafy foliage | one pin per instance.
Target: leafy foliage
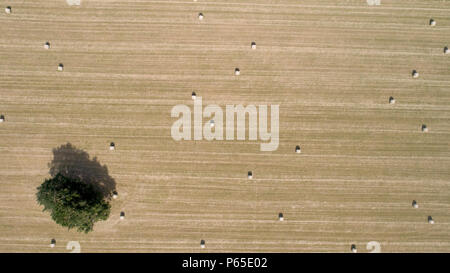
(72, 203)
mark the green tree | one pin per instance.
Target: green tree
(72, 203)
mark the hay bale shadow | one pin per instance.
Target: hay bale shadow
(75, 163)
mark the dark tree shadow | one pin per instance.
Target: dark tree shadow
(75, 163)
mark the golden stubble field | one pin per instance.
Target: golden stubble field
(330, 65)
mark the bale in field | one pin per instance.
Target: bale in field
(432, 22)
(200, 16)
(250, 175)
(202, 243)
(280, 216)
(414, 204)
(47, 45)
(297, 149)
(194, 96)
(391, 100)
(430, 220)
(115, 195)
(112, 146)
(60, 67)
(415, 74)
(353, 249)
(253, 45)
(237, 72)
(2, 118)
(52, 243)
(424, 128)
(8, 9)
(446, 51)
(122, 215)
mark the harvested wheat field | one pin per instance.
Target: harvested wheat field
(105, 74)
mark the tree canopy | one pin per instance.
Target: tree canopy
(72, 203)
